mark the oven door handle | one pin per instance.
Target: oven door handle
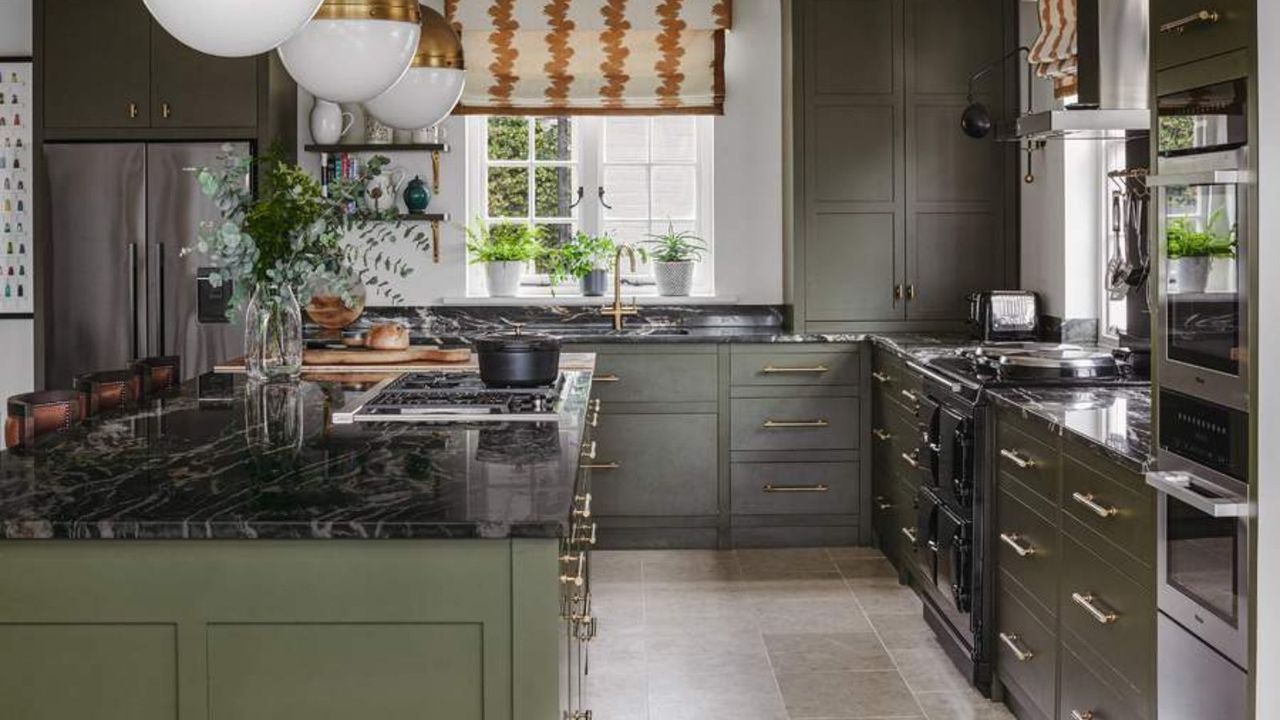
(1179, 485)
(948, 383)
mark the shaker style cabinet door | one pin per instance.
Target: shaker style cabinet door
(191, 90)
(97, 59)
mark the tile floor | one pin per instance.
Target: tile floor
(797, 634)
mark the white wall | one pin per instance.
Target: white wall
(748, 174)
(17, 360)
(15, 28)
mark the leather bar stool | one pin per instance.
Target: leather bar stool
(37, 414)
(106, 391)
(158, 376)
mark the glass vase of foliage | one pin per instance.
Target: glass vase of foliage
(1191, 252)
(276, 247)
(674, 253)
(505, 250)
(584, 258)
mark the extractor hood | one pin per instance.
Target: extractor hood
(1113, 92)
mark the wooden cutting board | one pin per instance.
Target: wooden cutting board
(363, 357)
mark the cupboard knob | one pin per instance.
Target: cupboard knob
(165, 110)
(133, 111)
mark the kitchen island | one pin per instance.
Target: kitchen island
(230, 553)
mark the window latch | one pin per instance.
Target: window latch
(600, 194)
(577, 202)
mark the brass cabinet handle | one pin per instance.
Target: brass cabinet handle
(1086, 499)
(911, 292)
(607, 378)
(1082, 715)
(797, 488)
(910, 534)
(882, 504)
(165, 110)
(133, 111)
(1013, 457)
(1015, 541)
(584, 630)
(792, 424)
(579, 576)
(913, 397)
(1090, 604)
(603, 466)
(911, 460)
(583, 536)
(881, 434)
(882, 378)
(1180, 25)
(594, 420)
(897, 294)
(590, 452)
(1013, 642)
(594, 405)
(583, 512)
(773, 370)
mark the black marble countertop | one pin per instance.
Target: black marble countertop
(1115, 420)
(228, 460)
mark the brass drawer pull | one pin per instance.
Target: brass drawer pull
(1013, 457)
(1090, 604)
(797, 488)
(1015, 541)
(1013, 643)
(583, 512)
(165, 111)
(913, 397)
(579, 575)
(882, 504)
(602, 466)
(590, 452)
(1181, 24)
(785, 424)
(1099, 510)
(133, 111)
(1085, 715)
(911, 460)
(882, 378)
(881, 434)
(817, 369)
(583, 536)
(595, 419)
(594, 406)
(607, 378)
(910, 534)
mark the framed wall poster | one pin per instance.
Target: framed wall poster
(16, 191)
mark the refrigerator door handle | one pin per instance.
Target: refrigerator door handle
(133, 299)
(160, 324)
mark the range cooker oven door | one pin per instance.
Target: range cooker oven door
(955, 565)
(955, 459)
(925, 543)
(931, 445)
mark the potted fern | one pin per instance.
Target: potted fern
(674, 254)
(1191, 252)
(584, 258)
(505, 250)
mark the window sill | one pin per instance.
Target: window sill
(576, 300)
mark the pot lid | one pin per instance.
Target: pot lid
(1061, 358)
(516, 341)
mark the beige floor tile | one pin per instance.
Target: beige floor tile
(827, 652)
(866, 567)
(787, 563)
(854, 553)
(676, 657)
(883, 595)
(961, 706)
(874, 694)
(765, 590)
(615, 566)
(616, 695)
(689, 600)
(811, 616)
(670, 566)
(928, 669)
(899, 631)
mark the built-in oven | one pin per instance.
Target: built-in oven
(1202, 550)
(1203, 183)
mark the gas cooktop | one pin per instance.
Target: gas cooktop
(450, 397)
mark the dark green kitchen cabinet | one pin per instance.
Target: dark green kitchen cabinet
(897, 215)
(107, 66)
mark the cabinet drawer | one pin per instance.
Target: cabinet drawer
(795, 488)
(904, 526)
(1026, 652)
(1028, 459)
(808, 368)
(1085, 694)
(1109, 612)
(1121, 509)
(890, 376)
(794, 424)
(1027, 549)
(655, 378)
(892, 435)
(655, 465)
(1228, 26)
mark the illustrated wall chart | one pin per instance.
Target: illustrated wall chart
(16, 207)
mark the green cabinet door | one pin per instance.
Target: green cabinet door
(656, 466)
(192, 90)
(96, 58)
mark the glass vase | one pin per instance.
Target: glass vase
(273, 334)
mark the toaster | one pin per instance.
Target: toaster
(1005, 315)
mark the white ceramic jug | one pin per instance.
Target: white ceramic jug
(329, 123)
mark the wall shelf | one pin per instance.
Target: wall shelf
(434, 218)
(389, 147)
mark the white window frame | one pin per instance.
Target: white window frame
(589, 216)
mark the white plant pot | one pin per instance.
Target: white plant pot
(1189, 275)
(503, 278)
(675, 279)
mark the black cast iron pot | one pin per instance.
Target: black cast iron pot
(516, 359)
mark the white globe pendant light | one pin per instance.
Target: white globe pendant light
(353, 50)
(431, 88)
(232, 28)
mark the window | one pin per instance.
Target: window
(625, 176)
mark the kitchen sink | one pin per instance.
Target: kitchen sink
(570, 331)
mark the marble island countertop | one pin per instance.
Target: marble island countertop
(227, 460)
(1115, 420)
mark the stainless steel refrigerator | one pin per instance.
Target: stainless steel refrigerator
(119, 287)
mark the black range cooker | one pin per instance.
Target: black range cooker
(952, 560)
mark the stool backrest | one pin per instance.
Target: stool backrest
(37, 414)
(109, 390)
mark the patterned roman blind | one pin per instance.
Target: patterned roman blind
(1054, 53)
(592, 57)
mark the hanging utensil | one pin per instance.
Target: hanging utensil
(1137, 230)
(1117, 267)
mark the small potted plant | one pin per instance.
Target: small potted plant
(584, 258)
(504, 250)
(1191, 252)
(673, 254)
